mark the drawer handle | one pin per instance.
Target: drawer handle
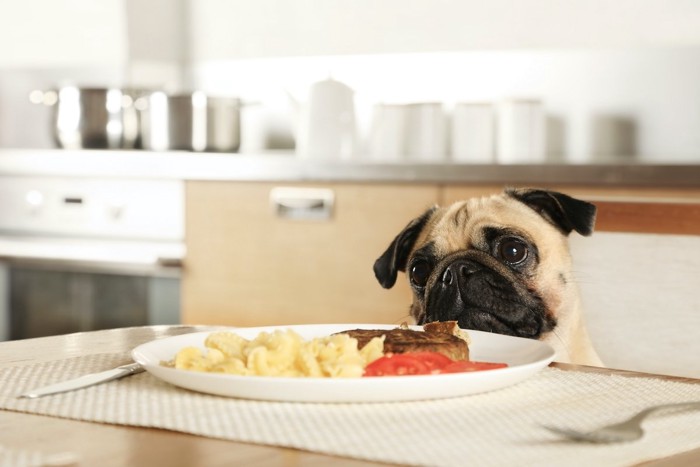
(302, 203)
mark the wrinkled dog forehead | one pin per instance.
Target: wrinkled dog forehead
(463, 224)
(539, 215)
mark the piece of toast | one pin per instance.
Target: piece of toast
(445, 338)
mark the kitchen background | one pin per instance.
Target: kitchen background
(611, 82)
(616, 81)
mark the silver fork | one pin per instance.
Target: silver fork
(628, 430)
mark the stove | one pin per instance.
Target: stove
(80, 253)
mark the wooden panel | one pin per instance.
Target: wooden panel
(657, 217)
(247, 267)
(642, 210)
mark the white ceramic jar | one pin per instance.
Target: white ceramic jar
(426, 132)
(521, 132)
(473, 132)
(387, 134)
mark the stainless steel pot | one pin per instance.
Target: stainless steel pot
(92, 118)
(190, 122)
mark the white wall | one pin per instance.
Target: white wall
(228, 29)
(63, 33)
(158, 43)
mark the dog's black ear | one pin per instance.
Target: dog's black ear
(394, 259)
(562, 210)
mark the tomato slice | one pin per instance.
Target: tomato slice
(435, 361)
(397, 365)
(424, 363)
(466, 365)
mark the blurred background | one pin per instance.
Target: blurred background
(610, 80)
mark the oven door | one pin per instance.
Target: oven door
(59, 286)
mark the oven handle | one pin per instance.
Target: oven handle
(161, 267)
(166, 262)
(102, 257)
(162, 261)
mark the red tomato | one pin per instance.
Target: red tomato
(466, 365)
(396, 365)
(435, 361)
(423, 363)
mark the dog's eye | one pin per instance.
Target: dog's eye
(420, 271)
(512, 251)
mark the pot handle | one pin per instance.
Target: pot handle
(48, 98)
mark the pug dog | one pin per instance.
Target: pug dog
(499, 264)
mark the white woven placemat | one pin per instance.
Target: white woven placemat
(491, 429)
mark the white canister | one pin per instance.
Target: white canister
(387, 135)
(426, 132)
(328, 127)
(521, 132)
(473, 132)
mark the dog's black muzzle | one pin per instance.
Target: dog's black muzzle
(480, 293)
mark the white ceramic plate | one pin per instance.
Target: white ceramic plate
(523, 356)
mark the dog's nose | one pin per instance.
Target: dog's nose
(459, 268)
(447, 276)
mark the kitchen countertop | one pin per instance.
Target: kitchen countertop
(285, 166)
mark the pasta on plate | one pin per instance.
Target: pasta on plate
(280, 353)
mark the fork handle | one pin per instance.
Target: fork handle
(643, 414)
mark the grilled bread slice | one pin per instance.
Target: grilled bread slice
(445, 338)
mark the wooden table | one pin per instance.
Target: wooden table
(111, 445)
